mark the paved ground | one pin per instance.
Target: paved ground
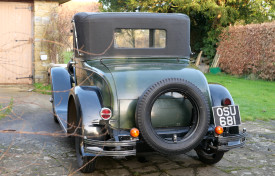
(50, 154)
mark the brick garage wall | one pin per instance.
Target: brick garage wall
(42, 13)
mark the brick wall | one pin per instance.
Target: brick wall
(42, 13)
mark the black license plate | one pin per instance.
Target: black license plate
(226, 116)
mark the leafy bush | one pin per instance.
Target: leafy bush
(57, 35)
(67, 55)
(208, 18)
(250, 49)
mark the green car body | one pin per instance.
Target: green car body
(123, 80)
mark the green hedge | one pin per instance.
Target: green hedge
(249, 50)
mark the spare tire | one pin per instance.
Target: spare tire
(199, 120)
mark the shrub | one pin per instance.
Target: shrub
(250, 49)
(58, 36)
(5, 111)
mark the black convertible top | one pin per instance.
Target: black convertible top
(95, 34)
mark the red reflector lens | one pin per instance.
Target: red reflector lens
(105, 116)
(105, 113)
(226, 102)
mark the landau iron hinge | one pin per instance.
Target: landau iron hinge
(29, 77)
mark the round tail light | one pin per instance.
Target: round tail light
(226, 102)
(134, 132)
(105, 113)
(219, 130)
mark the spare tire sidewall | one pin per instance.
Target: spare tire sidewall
(143, 116)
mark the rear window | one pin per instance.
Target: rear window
(140, 38)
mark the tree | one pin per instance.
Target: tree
(208, 17)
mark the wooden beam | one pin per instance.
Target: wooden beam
(215, 60)
(198, 59)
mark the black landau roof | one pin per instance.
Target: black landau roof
(95, 33)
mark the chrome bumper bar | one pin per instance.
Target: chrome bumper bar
(109, 148)
(230, 142)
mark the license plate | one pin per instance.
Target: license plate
(226, 116)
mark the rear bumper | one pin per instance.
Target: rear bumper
(226, 143)
(109, 148)
(126, 146)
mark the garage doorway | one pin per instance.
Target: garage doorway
(15, 43)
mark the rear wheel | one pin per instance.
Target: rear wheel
(52, 101)
(208, 155)
(55, 117)
(86, 164)
(54, 114)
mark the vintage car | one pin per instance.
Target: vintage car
(129, 89)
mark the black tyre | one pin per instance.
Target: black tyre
(208, 155)
(55, 117)
(86, 164)
(198, 125)
(54, 114)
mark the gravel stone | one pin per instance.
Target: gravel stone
(32, 154)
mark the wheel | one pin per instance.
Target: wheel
(54, 114)
(208, 155)
(86, 164)
(197, 127)
(55, 118)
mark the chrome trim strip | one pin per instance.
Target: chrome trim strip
(224, 141)
(111, 153)
(227, 139)
(109, 143)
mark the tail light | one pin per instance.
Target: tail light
(134, 132)
(226, 102)
(105, 113)
(219, 130)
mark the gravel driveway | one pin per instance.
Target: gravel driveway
(39, 147)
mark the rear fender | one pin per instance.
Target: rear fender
(88, 103)
(218, 93)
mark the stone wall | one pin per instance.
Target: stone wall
(42, 13)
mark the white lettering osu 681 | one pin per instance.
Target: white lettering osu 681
(227, 116)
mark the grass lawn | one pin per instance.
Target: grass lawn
(67, 56)
(41, 88)
(256, 98)
(6, 110)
